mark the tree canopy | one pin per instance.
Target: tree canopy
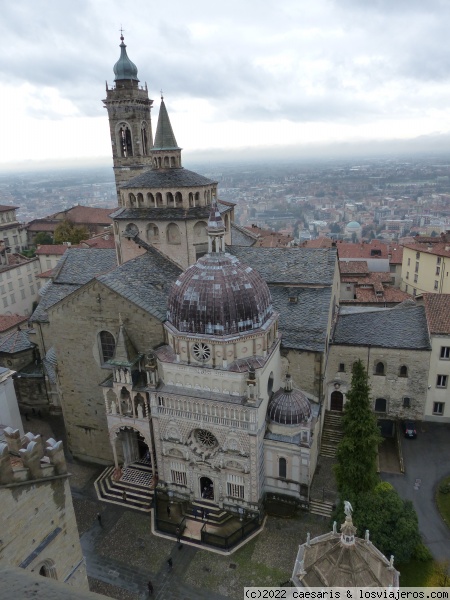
(67, 231)
(43, 238)
(356, 468)
(391, 521)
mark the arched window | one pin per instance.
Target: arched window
(140, 198)
(170, 200)
(144, 138)
(159, 200)
(282, 468)
(126, 146)
(166, 162)
(152, 233)
(132, 198)
(200, 232)
(172, 161)
(107, 345)
(173, 234)
(380, 405)
(403, 371)
(178, 199)
(379, 368)
(270, 385)
(150, 199)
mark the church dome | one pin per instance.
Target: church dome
(353, 225)
(289, 406)
(219, 295)
(124, 68)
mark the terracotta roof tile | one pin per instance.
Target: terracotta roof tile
(51, 249)
(437, 309)
(8, 321)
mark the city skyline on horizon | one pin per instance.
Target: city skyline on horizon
(292, 80)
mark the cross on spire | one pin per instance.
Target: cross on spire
(121, 33)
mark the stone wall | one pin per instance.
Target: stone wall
(39, 529)
(391, 386)
(74, 328)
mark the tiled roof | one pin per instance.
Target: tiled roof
(5, 207)
(173, 214)
(403, 326)
(437, 308)
(167, 178)
(290, 266)
(15, 341)
(80, 265)
(99, 241)
(364, 250)
(439, 249)
(8, 321)
(52, 249)
(303, 324)
(85, 215)
(353, 266)
(320, 242)
(42, 225)
(241, 237)
(145, 281)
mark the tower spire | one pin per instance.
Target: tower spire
(216, 230)
(166, 152)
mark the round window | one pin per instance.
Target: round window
(201, 351)
(206, 438)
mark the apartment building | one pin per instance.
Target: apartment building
(426, 265)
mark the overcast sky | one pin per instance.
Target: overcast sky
(235, 74)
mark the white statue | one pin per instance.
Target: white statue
(140, 412)
(348, 508)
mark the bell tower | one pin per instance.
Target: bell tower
(130, 124)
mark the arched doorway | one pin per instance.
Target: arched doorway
(134, 446)
(206, 488)
(337, 401)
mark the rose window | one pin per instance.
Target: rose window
(206, 438)
(201, 351)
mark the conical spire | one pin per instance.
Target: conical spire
(124, 68)
(125, 354)
(164, 138)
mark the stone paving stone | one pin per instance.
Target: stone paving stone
(85, 513)
(111, 591)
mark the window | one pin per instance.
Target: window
(107, 345)
(416, 270)
(32, 290)
(10, 286)
(445, 352)
(415, 278)
(22, 293)
(438, 260)
(2, 289)
(409, 261)
(407, 274)
(30, 278)
(406, 402)
(380, 405)
(8, 274)
(282, 468)
(436, 285)
(20, 281)
(235, 490)
(403, 371)
(12, 298)
(438, 270)
(417, 255)
(438, 408)
(178, 477)
(5, 302)
(406, 288)
(379, 368)
(441, 381)
(342, 367)
(414, 292)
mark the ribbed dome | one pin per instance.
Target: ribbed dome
(219, 296)
(289, 406)
(124, 68)
(353, 225)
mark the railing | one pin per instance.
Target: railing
(174, 412)
(228, 541)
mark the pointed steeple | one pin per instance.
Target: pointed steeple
(125, 354)
(166, 153)
(216, 230)
(124, 68)
(165, 137)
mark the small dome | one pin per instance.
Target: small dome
(353, 225)
(289, 406)
(124, 68)
(219, 295)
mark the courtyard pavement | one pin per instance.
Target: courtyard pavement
(427, 461)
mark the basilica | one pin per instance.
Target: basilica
(185, 349)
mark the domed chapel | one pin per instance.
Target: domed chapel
(186, 351)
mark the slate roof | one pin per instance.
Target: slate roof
(437, 309)
(80, 265)
(54, 294)
(172, 214)
(167, 178)
(306, 266)
(164, 137)
(403, 326)
(241, 236)
(303, 324)
(145, 281)
(15, 341)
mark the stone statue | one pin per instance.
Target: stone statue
(348, 508)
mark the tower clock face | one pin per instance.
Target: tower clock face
(201, 351)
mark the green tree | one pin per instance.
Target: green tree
(43, 238)
(356, 468)
(67, 231)
(335, 228)
(391, 521)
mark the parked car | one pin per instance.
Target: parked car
(409, 429)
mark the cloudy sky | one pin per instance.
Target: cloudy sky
(236, 74)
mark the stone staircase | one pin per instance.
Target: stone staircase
(138, 496)
(331, 433)
(323, 508)
(215, 515)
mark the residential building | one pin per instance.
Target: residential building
(426, 265)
